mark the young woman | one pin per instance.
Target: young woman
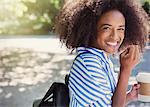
(98, 29)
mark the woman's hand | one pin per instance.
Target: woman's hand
(130, 57)
(133, 94)
(128, 60)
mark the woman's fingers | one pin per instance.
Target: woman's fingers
(137, 54)
(130, 57)
(127, 51)
(124, 52)
(134, 53)
(136, 86)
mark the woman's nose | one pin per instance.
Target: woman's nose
(114, 35)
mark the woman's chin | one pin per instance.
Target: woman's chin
(111, 51)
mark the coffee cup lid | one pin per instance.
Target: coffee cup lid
(143, 77)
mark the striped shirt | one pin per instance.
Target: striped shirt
(92, 79)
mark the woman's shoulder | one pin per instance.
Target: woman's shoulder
(93, 57)
(89, 58)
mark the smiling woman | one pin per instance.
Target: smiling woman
(98, 29)
(69, 22)
(111, 30)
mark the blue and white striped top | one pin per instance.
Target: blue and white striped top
(92, 79)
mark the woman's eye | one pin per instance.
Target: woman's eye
(106, 28)
(121, 29)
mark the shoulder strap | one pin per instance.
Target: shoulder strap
(47, 95)
(67, 79)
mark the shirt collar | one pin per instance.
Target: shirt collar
(95, 51)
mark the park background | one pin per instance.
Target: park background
(31, 56)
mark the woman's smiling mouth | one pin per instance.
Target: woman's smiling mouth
(112, 43)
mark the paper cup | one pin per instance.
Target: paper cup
(144, 91)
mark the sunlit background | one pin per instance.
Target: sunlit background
(28, 16)
(31, 56)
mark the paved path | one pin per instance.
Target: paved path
(29, 66)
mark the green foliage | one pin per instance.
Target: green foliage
(146, 6)
(28, 16)
(33, 16)
(143, 1)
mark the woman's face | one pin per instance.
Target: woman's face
(110, 31)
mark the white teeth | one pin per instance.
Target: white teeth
(112, 43)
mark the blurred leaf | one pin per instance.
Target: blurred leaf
(28, 16)
(32, 1)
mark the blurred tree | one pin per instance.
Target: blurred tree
(146, 7)
(28, 16)
(33, 16)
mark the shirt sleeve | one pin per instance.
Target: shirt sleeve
(92, 86)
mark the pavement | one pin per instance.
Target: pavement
(28, 66)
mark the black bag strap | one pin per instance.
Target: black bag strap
(48, 93)
(67, 79)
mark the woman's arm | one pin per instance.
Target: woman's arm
(128, 60)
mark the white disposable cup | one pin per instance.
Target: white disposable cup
(144, 92)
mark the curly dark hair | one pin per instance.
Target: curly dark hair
(77, 21)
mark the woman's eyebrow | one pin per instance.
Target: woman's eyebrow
(109, 25)
(122, 26)
(104, 25)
